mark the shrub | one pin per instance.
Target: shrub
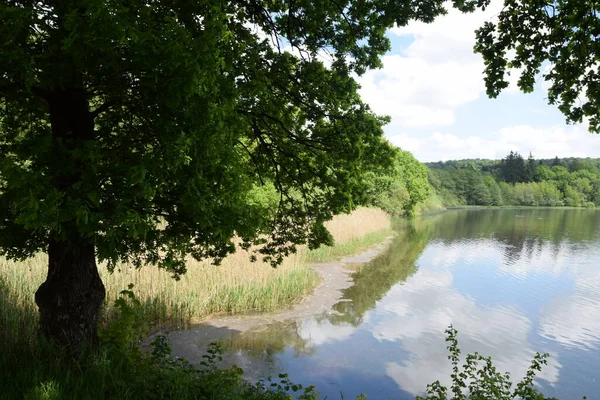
(478, 378)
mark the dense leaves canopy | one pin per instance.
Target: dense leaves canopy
(400, 188)
(555, 39)
(145, 127)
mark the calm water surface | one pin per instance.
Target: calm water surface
(512, 281)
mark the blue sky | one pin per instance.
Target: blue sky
(432, 86)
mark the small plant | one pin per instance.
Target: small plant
(121, 335)
(284, 386)
(475, 381)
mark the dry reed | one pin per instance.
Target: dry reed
(235, 286)
(353, 233)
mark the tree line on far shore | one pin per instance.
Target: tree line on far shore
(514, 180)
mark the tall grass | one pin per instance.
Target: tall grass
(18, 312)
(353, 233)
(235, 286)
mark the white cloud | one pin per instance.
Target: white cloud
(423, 85)
(417, 94)
(543, 142)
(437, 73)
(451, 37)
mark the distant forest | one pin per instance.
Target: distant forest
(515, 180)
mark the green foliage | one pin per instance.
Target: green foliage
(122, 334)
(556, 40)
(433, 203)
(544, 173)
(478, 378)
(513, 169)
(147, 130)
(119, 370)
(495, 191)
(285, 385)
(464, 186)
(512, 181)
(399, 189)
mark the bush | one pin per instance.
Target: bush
(118, 369)
(478, 378)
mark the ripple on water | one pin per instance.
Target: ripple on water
(464, 252)
(573, 321)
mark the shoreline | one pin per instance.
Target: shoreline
(334, 277)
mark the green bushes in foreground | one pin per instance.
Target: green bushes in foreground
(478, 378)
(121, 370)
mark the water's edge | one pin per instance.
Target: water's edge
(334, 277)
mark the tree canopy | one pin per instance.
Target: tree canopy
(512, 181)
(138, 131)
(554, 40)
(398, 189)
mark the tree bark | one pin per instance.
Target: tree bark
(71, 297)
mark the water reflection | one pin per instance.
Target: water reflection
(512, 282)
(373, 280)
(573, 318)
(418, 314)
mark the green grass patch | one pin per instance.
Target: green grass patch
(350, 247)
(281, 292)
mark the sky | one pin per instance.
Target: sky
(431, 85)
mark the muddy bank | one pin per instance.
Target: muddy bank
(334, 278)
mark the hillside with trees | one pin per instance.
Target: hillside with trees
(517, 181)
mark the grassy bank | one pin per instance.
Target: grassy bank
(35, 371)
(235, 286)
(353, 233)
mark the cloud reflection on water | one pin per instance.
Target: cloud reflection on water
(573, 320)
(510, 285)
(418, 312)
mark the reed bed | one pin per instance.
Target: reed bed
(235, 286)
(353, 233)
(18, 312)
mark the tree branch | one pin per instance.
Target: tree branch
(100, 109)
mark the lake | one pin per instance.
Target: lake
(512, 282)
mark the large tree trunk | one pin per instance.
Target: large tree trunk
(72, 295)
(70, 299)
